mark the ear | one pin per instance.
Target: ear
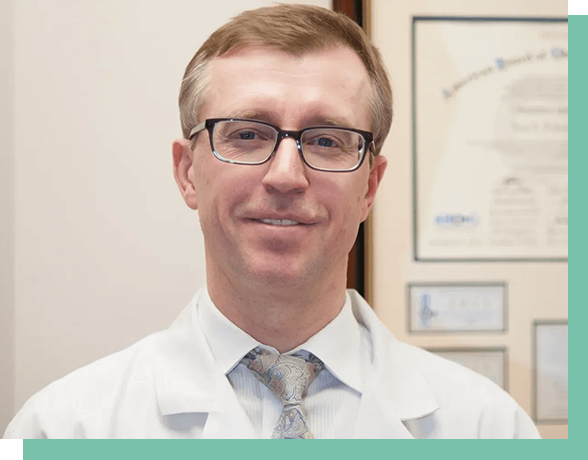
(375, 177)
(183, 157)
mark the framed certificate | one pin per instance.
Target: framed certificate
(490, 362)
(550, 395)
(457, 307)
(490, 139)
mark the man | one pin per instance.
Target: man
(284, 111)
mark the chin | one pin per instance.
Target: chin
(279, 274)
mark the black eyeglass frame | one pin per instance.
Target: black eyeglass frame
(210, 123)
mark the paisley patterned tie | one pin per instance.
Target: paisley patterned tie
(288, 377)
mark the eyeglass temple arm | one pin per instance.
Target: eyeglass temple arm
(196, 129)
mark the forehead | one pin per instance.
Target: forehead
(330, 85)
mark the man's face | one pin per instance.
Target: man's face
(240, 206)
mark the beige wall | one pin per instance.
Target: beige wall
(6, 212)
(105, 250)
(536, 290)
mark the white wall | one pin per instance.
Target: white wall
(105, 250)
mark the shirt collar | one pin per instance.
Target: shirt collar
(340, 347)
(339, 344)
(227, 342)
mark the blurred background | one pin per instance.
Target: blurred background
(97, 248)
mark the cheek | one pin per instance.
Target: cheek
(348, 198)
(346, 211)
(360, 190)
(225, 190)
(355, 208)
(205, 175)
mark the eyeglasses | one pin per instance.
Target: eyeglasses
(250, 142)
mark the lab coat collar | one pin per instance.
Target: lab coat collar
(188, 380)
(404, 388)
(227, 343)
(186, 377)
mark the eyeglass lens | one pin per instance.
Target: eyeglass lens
(251, 142)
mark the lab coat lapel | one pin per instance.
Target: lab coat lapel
(188, 380)
(228, 420)
(377, 418)
(396, 391)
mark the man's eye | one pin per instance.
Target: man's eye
(247, 135)
(325, 142)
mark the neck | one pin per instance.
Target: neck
(278, 316)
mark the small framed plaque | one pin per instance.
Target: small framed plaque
(550, 395)
(457, 307)
(490, 362)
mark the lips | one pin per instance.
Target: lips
(280, 219)
(281, 222)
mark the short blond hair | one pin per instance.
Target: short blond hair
(295, 30)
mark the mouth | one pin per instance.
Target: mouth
(280, 222)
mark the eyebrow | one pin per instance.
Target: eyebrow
(261, 115)
(319, 119)
(271, 117)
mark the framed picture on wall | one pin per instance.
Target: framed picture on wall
(489, 362)
(457, 307)
(490, 138)
(550, 371)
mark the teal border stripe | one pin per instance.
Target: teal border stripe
(296, 450)
(578, 191)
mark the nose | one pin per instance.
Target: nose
(286, 172)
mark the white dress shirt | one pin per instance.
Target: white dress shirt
(333, 399)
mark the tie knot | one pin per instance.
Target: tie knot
(287, 376)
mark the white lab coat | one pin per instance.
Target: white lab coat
(169, 386)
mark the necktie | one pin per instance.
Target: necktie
(288, 377)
